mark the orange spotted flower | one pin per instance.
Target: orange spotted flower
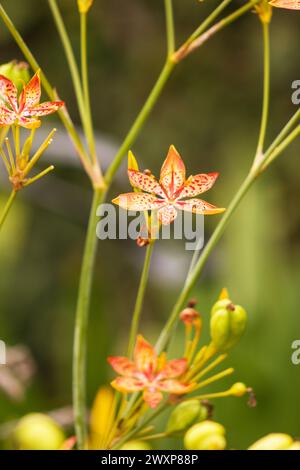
(172, 192)
(25, 109)
(149, 373)
(288, 4)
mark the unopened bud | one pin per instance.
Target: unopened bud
(84, 5)
(136, 445)
(294, 446)
(273, 442)
(184, 415)
(227, 325)
(37, 431)
(239, 389)
(17, 72)
(207, 435)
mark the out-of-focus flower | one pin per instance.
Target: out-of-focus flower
(207, 435)
(84, 5)
(149, 373)
(17, 72)
(288, 4)
(171, 192)
(37, 431)
(276, 441)
(24, 110)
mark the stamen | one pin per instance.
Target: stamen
(40, 175)
(215, 378)
(39, 152)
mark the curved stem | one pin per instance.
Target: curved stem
(85, 84)
(266, 90)
(7, 207)
(81, 323)
(170, 27)
(140, 298)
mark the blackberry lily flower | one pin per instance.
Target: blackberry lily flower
(172, 192)
(149, 373)
(287, 4)
(25, 109)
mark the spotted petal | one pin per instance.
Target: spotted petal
(288, 4)
(7, 117)
(9, 92)
(198, 184)
(198, 206)
(138, 201)
(127, 384)
(167, 214)
(146, 183)
(145, 356)
(174, 386)
(31, 94)
(174, 368)
(172, 174)
(29, 123)
(152, 396)
(122, 365)
(44, 109)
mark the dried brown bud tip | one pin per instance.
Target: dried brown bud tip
(192, 303)
(189, 315)
(141, 242)
(252, 402)
(147, 172)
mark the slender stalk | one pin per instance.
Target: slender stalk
(140, 120)
(7, 207)
(281, 147)
(85, 84)
(81, 323)
(140, 298)
(284, 132)
(266, 91)
(170, 27)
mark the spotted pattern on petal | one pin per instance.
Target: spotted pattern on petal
(174, 386)
(122, 365)
(152, 397)
(138, 201)
(198, 206)
(145, 183)
(44, 109)
(174, 368)
(9, 92)
(167, 214)
(172, 175)
(31, 93)
(127, 384)
(7, 117)
(198, 184)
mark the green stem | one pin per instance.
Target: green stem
(170, 27)
(85, 83)
(140, 298)
(140, 120)
(81, 323)
(266, 90)
(185, 293)
(7, 207)
(284, 132)
(281, 147)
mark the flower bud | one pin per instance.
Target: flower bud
(207, 435)
(17, 72)
(239, 389)
(294, 446)
(136, 445)
(183, 416)
(273, 442)
(37, 431)
(84, 5)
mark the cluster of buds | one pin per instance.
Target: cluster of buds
(276, 441)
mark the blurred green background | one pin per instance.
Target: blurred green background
(210, 110)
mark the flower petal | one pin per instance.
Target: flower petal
(288, 4)
(198, 184)
(31, 94)
(9, 92)
(172, 174)
(167, 214)
(145, 183)
(122, 365)
(127, 384)
(138, 201)
(152, 396)
(173, 369)
(7, 117)
(29, 123)
(44, 109)
(198, 206)
(145, 356)
(174, 386)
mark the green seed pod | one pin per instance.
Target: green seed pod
(207, 435)
(275, 441)
(223, 303)
(220, 330)
(183, 416)
(136, 445)
(37, 431)
(238, 322)
(17, 72)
